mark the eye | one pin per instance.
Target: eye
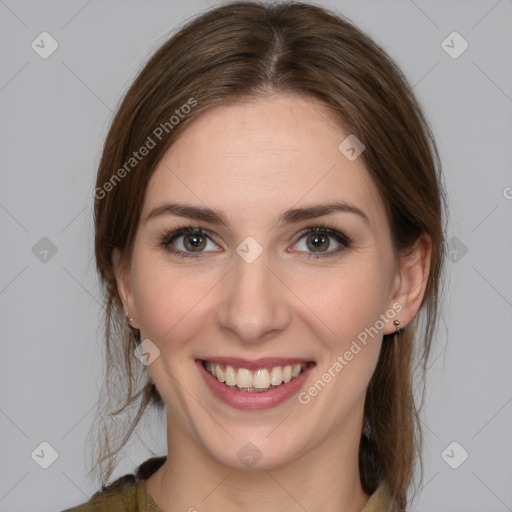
(193, 242)
(319, 242)
(188, 242)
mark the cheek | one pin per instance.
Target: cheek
(347, 300)
(169, 303)
(349, 303)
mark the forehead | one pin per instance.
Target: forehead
(253, 159)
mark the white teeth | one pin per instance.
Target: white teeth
(258, 380)
(261, 379)
(296, 370)
(244, 378)
(276, 376)
(219, 373)
(230, 376)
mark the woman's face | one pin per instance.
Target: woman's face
(257, 290)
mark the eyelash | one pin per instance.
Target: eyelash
(166, 239)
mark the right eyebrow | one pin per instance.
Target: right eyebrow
(190, 212)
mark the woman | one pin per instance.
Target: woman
(269, 225)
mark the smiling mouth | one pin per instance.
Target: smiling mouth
(254, 381)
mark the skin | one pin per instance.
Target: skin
(252, 161)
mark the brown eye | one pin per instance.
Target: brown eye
(188, 242)
(321, 241)
(317, 243)
(194, 242)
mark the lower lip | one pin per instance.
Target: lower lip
(256, 400)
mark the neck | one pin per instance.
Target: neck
(325, 479)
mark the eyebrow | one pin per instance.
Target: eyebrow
(291, 216)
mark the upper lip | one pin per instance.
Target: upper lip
(255, 364)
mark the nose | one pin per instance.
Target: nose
(253, 305)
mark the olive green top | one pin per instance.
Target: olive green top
(128, 494)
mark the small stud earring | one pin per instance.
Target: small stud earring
(399, 329)
(129, 319)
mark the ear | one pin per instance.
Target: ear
(411, 281)
(124, 286)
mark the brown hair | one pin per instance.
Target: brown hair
(247, 50)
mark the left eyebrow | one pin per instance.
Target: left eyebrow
(311, 212)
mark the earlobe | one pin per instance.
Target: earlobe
(414, 269)
(123, 286)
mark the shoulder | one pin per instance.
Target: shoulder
(122, 494)
(119, 496)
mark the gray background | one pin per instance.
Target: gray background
(55, 113)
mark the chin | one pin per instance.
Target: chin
(254, 449)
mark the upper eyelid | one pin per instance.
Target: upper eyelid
(179, 232)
